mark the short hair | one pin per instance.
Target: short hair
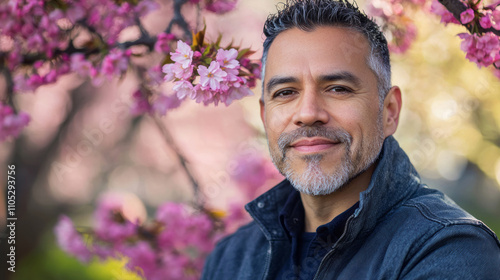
(308, 14)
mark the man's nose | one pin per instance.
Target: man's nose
(310, 110)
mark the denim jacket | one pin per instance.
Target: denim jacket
(401, 230)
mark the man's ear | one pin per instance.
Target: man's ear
(391, 110)
(262, 112)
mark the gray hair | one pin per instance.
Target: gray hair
(308, 14)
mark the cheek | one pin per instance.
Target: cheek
(276, 121)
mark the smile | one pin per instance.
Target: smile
(313, 145)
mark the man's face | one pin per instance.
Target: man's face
(321, 108)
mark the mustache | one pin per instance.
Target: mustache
(330, 133)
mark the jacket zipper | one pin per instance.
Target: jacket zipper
(333, 248)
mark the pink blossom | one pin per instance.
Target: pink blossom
(169, 72)
(142, 258)
(176, 70)
(227, 59)
(10, 123)
(162, 42)
(183, 54)
(164, 103)
(211, 76)
(221, 6)
(483, 50)
(467, 16)
(204, 95)
(75, 13)
(403, 38)
(155, 75)
(495, 16)
(80, 65)
(485, 21)
(237, 93)
(183, 88)
(70, 240)
(183, 230)
(440, 10)
(110, 224)
(251, 172)
(144, 7)
(140, 103)
(115, 63)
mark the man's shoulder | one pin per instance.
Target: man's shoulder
(438, 208)
(431, 214)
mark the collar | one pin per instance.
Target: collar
(394, 181)
(292, 219)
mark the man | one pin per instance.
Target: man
(352, 206)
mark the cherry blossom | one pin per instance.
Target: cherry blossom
(220, 6)
(140, 104)
(483, 50)
(163, 103)
(183, 88)
(211, 76)
(11, 124)
(467, 16)
(227, 59)
(162, 42)
(183, 55)
(70, 240)
(110, 225)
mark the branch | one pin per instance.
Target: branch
(9, 86)
(456, 8)
(179, 19)
(170, 141)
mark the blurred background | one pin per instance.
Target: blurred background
(450, 128)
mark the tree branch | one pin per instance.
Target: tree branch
(9, 86)
(179, 19)
(182, 160)
(456, 8)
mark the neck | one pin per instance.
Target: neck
(321, 209)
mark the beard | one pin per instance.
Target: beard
(313, 180)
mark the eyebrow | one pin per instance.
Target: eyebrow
(277, 80)
(341, 76)
(338, 76)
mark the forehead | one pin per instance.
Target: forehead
(325, 49)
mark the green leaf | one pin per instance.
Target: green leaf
(207, 50)
(243, 52)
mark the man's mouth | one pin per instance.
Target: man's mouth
(313, 145)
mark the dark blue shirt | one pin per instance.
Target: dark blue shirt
(308, 248)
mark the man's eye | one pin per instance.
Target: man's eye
(340, 89)
(283, 93)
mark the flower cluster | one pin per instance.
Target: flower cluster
(210, 74)
(42, 35)
(440, 10)
(481, 45)
(399, 28)
(44, 25)
(216, 6)
(173, 246)
(483, 50)
(11, 124)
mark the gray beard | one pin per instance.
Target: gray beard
(313, 181)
